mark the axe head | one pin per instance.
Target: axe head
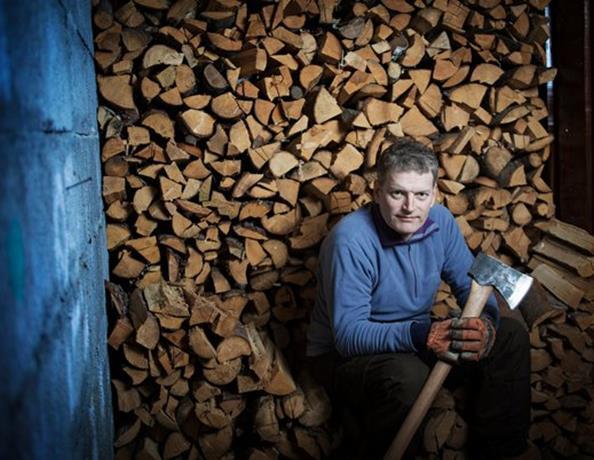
(510, 283)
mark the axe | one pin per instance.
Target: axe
(487, 273)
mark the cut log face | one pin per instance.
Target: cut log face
(234, 138)
(379, 112)
(117, 91)
(281, 163)
(470, 95)
(199, 123)
(415, 124)
(161, 54)
(325, 107)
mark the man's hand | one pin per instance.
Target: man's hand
(472, 337)
(439, 340)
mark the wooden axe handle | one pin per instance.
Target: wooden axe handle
(474, 306)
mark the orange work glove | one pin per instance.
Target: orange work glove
(439, 340)
(472, 337)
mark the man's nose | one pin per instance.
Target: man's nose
(409, 202)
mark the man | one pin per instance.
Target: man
(380, 268)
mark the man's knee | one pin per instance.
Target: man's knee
(413, 382)
(511, 353)
(397, 377)
(512, 335)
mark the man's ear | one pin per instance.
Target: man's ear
(376, 189)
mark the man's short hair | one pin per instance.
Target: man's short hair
(406, 155)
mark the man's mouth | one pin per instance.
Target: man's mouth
(406, 218)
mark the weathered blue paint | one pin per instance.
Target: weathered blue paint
(55, 398)
(15, 260)
(5, 68)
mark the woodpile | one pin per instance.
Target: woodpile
(194, 380)
(562, 340)
(235, 134)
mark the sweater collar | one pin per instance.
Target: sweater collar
(389, 237)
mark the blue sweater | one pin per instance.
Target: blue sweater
(376, 292)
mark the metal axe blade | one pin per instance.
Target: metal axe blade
(510, 283)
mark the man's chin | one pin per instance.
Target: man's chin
(406, 228)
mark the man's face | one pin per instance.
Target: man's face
(404, 200)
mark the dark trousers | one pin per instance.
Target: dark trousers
(380, 389)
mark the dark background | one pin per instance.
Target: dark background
(571, 172)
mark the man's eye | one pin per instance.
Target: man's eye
(422, 195)
(397, 194)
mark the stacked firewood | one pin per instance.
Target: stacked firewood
(186, 365)
(562, 340)
(235, 134)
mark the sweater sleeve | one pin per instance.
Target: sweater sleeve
(458, 260)
(348, 278)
